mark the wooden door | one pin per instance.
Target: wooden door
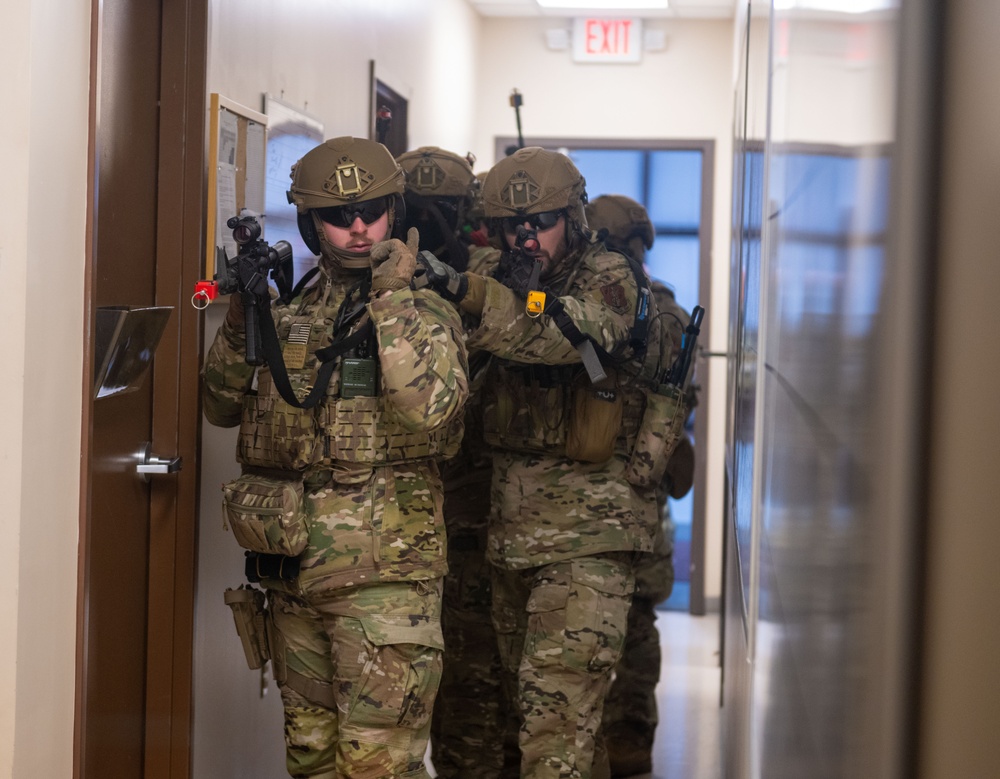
(137, 537)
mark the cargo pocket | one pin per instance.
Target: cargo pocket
(597, 615)
(400, 681)
(547, 607)
(266, 514)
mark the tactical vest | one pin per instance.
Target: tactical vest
(357, 430)
(556, 411)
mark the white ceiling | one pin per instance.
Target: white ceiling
(678, 9)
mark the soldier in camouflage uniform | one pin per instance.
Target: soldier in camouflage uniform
(468, 723)
(354, 637)
(565, 523)
(630, 715)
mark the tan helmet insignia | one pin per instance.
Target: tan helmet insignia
(348, 180)
(520, 191)
(429, 175)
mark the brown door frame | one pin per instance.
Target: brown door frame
(176, 405)
(176, 400)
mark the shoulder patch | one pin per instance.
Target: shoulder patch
(614, 296)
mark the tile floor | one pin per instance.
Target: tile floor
(688, 738)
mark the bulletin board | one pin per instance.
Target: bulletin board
(236, 173)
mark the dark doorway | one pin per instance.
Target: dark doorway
(395, 137)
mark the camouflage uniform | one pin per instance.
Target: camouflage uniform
(355, 639)
(474, 730)
(467, 727)
(567, 517)
(630, 713)
(562, 532)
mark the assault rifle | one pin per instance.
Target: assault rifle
(247, 274)
(520, 269)
(677, 374)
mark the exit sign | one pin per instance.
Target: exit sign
(607, 40)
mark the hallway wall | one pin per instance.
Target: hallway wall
(315, 54)
(43, 245)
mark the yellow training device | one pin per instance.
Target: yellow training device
(535, 304)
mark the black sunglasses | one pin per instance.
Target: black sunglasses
(546, 220)
(344, 216)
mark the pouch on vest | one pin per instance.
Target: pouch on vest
(363, 430)
(265, 513)
(250, 615)
(594, 422)
(274, 433)
(524, 415)
(659, 432)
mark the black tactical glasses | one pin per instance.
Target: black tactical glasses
(546, 220)
(344, 216)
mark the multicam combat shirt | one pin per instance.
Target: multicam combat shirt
(547, 507)
(373, 505)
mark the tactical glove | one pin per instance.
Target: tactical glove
(442, 278)
(514, 271)
(394, 262)
(475, 298)
(235, 317)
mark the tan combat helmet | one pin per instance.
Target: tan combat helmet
(533, 180)
(339, 172)
(478, 213)
(627, 223)
(436, 173)
(439, 190)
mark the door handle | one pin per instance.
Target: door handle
(153, 464)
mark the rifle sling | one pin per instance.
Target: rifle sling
(326, 356)
(591, 353)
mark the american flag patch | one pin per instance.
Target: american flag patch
(299, 333)
(296, 349)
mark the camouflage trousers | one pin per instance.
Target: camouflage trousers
(358, 672)
(468, 726)
(630, 707)
(561, 629)
(630, 716)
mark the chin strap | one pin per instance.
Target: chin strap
(339, 258)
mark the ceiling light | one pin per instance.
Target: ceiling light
(841, 6)
(605, 5)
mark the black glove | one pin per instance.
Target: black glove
(514, 271)
(442, 278)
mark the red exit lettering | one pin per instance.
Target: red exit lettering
(607, 36)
